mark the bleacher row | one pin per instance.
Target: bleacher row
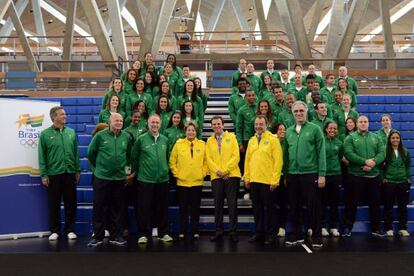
(83, 115)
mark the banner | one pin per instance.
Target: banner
(23, 199)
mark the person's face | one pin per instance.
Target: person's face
(278, 94)
(350, 125)
(148, 58)
(150, 68)
(171, 59)
(250, 97)
(154, 124)
(330, 80)
(190, 133)
(242, 64)
(385, 122)
(299, 112)
(338, 97)
(309, 83)
(186, 72)
(165, 88)
(162, 78)
(322, 110)
(217, 126)
(197, 83)
(311, 69)
(136, 65)
(250, 68)
(163, 103)
(242, 86)
(188, 107)
(148, 78)
(395, 139)
(176, 119)
(362, 124)
(267, 80)
(270, 64)
(316, 86)
(298, 70)
(132, 75)
(136, 117)
(60, 117)
(141, 107)
(346, 101)
(260, 125)
(189, 87)
(290, 99)
(285, 74)
(168, 68)
(263, 108)
(316, 96)
(139, 85)
(116, 122)
(281, 132)
(114, 102)
(117, 85)
(298, 80)
(342, 84)
(342, 71)
(332, 130)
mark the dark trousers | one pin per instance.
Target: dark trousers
(108, 203)
(303, 190)
(62, 185)
(131, 196)
(396, 192)
(225, 188)
(281, 200)
(330, 198)
(264, 210)
(152, 208)
(359, 186)
(243, 156)
(189, 199)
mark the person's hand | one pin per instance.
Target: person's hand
(241, 148)
(130, 179)
(45, 181)
(345, 161)
(273, 187)
(247, 185)
(366, 168)
(219, 174)
(370, 162)
(77, 177)
(321, 182)
(226, 175)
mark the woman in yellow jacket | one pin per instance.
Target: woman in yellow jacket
(222, 153)
(188, 165)
(262, 171)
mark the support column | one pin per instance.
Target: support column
(195, 7)
(69, 31)
(4, 4)
(214, 18)
(244, 26)
(261, 18)
(8, 27)
(137, 10)
(386, 29)
(117, 28)
(39, 24)
(316, 13)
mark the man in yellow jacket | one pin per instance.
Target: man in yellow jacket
(222, 154)
(188, 165)
(262, 171)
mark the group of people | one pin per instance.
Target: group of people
(297, 142)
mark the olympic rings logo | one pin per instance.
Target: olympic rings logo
(28, 143)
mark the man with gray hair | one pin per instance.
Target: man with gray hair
(304, 155)
(60, 171)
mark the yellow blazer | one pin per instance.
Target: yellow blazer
(226, 160)
(263, 162)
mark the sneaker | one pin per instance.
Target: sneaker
(196, 236)
(317, 243)
(155, 232)
(389, 233)
(310, 232)
(107, 234)
(118, 241)
(94, 243)
(377, 234)
(325, 232)
(281, 232)
(181, 236)
(166, 238)
(335, 232)
(54, 237)
(294, 241)
(346, 233)
(72, 236)
(403, 233)
(142, 240)
(246, 196)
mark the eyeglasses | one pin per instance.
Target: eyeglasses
(298, 110)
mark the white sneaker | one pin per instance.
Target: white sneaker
(53, 237)
(310, 232)
(282, 232)
(246, 196)
(142, 240)
(166, 238)
(335, 232)
(389, 233)
(107, 234)
(155, 232)
(325, 232)
(72, 236)
(404, 233)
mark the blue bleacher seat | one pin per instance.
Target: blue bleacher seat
(362, 108)
(396, 125)
(85, 119)
(376, 108)
(378, 99)
(85, 101)
(396, 117)
(84, 165)
(393, 99)
(84, 110)
(72, 110)
(409, 144)
(85, 179)
(68, 101)
(373, 126)
(362, 99)
(84, 139)
(97, 100)
(407, 99)
(407, 134)
(20, 80)
(407, 108)
(96, 109)
(374, 117)
(388, 108)
(95, 119)
(405, 126)
(407, 117)
(83, 151)
(71, 119)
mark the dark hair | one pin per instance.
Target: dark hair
(99, 127)
(159, 77)
(242, 79)
(180, 124)
(264, 86)
(347, 131)
(193, 93)
(269, 114)
(262, 117)
(174, 65)
(198, 91)
(127, 74)
(108, 104)
(297, 65)
(275, 128)
(325, 127)
(191, 123)
(134, 87)
(135, 107)
(169, 88)
(390, 151)
(346, 81)
(193, 115)
(310, 77)
(158, 111)
(217, 117)
(317, 105)
(53, 110)
(328, 75)
(112, 83)
(153, 81)
(185, 65)
(386, 115)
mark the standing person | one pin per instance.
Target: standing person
(136, 66)
(284, 81)
(286, 116)
(189, 167)
(344, 88)
(396, 184)
(175, 129)
(386, 129)
(60, 171)
(138, 125)
(131, 78)
(236, 101)
(150, 164)
(108, 155)
(365, 152)
(263, 168)
(113, 106)
(321, 118)
(330, 194)
(337, 105)
(298, 89)
(117, 89)
(342, 114)
(189, 94)
(151, 86)
(343, 73)
(266, 88)
(236, 75)
(318, 79)
(163, 110)
(327, 92)
(264, 108)
(199, 91)
(306, 169)
(222, 154)
(270, 71)
(255, 81)
(138, 94)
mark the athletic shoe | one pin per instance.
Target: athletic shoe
(118, 241)
(335, 232)
(325, 232)
(377, 234)
(317, 243)
(54, 237)
(94, 243)
(181, 236)
(246, 196)
(346, 233)
(72, 236)
(166, 238)
(403, 233)
(295, 240)
(196, 236)
(390, 233)
(107, 234)
(281, 232)
(142, 240)
(310, 232)
(155, 232)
